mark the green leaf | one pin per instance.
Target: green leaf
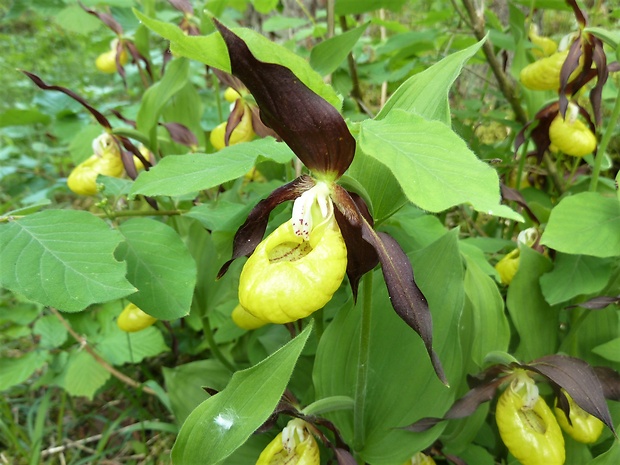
(535, 321)
(84, 375)
(160, 266)
(574, 275)
(72, 253)
(119, 347)
(16, 117)
(75, 19)
(183, 174)
(402, 386)
(426, 93)
(611, 457)
(610, 350)
(51, 331)
(385, 193)
(433, 166)
(14, 371)
(225, 421)
(157, 96)
(184, 384)
(348, 7)
(326, 56)
(585, 223)
(490, 325)
(212, 51)
(264, 6)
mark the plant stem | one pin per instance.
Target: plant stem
(602, 147)
(215, 350)
(123, 213)
(505, 84)
(109, 368)
(362, 364)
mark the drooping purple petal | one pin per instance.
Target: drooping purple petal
(181, 134)
(462, 408)
(102, 120)
(577, 378)
(407, 299)
(250, 234)
(610, 381)
(311, 127)
(361, 256)
(106, 19)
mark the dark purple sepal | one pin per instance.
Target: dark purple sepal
(462, 408)
(181, 134)
(361, 255)
(577, 378)
(106, 19)
(251, 233)
(597, 303)
(313, 129)
(610, 382)
(233, 120)
(102, 120)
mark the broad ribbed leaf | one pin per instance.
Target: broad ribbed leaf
(211, 50)
(326, 56)
(62, 258)
(222, 423)
(433, 166)
(160, 266)
(83, 375)
(17, 370)
(426, 93)
(585, 223)
(183, 174)
(311, 126)
(574, 275)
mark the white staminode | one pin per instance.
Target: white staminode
(103, 144)
(293, 434)
(524, 382)
(303, 222)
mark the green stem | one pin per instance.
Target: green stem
(361, 385)
(218, 98)
(215, 350)
(569, 344)
(602, 147)
(122, 213)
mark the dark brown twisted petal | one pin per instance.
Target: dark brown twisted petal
(361, 256)
(313, 129)
(106, 19)
(407, 299)
(251, 232)
(183, 5)
(233, 120)
(102, 120)
(181, 134)
(463, 407)
(577, 378)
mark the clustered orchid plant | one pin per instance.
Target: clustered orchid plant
(296, 270)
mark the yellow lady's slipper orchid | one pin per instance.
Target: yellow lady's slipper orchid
(545, 46)
(106, 160)
(507, 267)
(527, 426)
(245, 319)
(243, 132)
(133, 319)
(571, 136)
(297, 268)
(295, 445)
(583, 427)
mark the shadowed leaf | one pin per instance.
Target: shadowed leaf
(610, 381)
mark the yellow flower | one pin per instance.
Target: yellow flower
(245, 319)
(527, 426)
(420, 459)
(583, 427)
(106, 160)
(288, 277)
(133, 319)
(243, 132)
(571, 136)
(295, 445)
